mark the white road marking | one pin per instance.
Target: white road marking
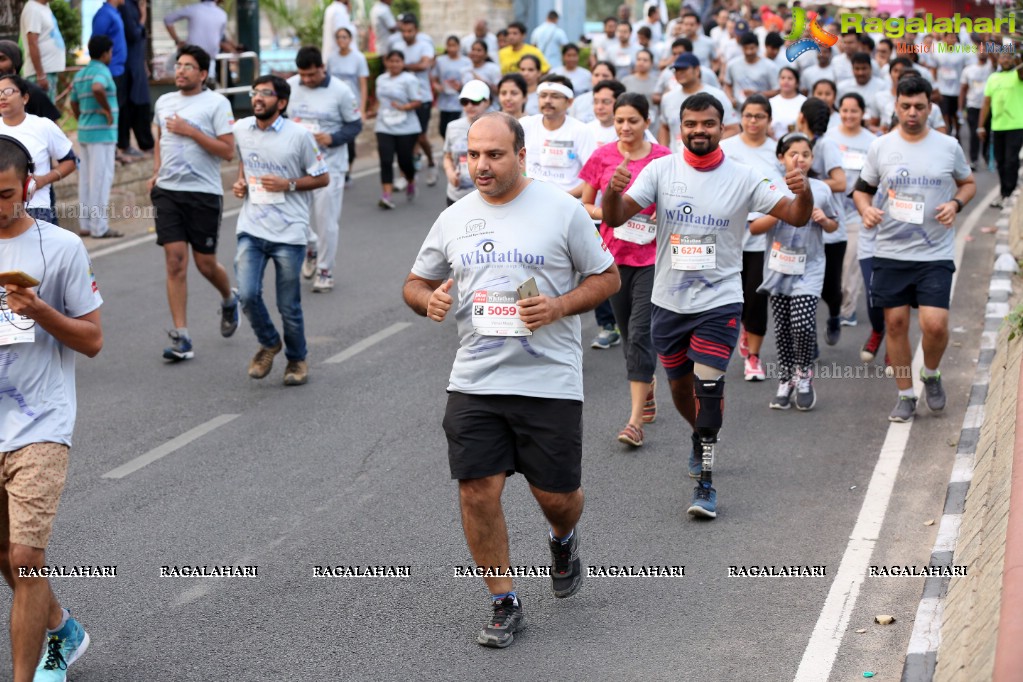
(822, 649)
(170, 446)
(126, 244)
(962, 470)
(367, 342)
(926, 638)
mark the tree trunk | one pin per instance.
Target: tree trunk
(10, 14)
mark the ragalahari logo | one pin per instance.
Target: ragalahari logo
(802, 23)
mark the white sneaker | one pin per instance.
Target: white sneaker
(431, 176)
(399, 183)
(324, 282)
(752, 369)
(309, 265)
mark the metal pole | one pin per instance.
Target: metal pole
(248, 35)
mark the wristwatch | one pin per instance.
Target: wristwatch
(959, 204)
(292, 184)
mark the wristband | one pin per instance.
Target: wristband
(959, 205)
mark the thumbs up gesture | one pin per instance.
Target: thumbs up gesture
(440, 302)
(621, 178)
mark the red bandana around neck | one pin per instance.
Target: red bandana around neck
(707, 162)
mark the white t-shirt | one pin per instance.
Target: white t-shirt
(46, 142)
(950, 70)
(707, 208)
(456, 145)
(336, 16)
(542, 233)
(184, 165)
(37, 378)
(582, 79)
(206, 24)
(975, 78)
(811, 74)
(383, 22)
(760, 76)
(582, 107)
(784, 112)
(38, 18)
(557, 156)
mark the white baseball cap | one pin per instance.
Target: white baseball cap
(475, 90)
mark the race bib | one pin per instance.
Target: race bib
(906, 208)
(310, 124)
(393, 117)
(258, 195)
(464, 179)
(623, 60)
(557, 153)
(787, 260)
(947, 74)
(638, 229)
(693, 252)
(495, 313)
(852, 159)
(15, 328)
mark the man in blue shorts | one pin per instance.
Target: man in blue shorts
(702, 202)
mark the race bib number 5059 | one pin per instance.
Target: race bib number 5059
(495, 313)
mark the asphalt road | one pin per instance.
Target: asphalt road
(352, 470)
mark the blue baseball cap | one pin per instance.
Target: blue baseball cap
(687, 60)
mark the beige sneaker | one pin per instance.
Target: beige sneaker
(297, 373)
(263, 361)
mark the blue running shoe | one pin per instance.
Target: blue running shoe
(63, 648)
(180, 348)
(705, 501)
(696, 458)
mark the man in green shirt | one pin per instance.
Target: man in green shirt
(1003, 99)
(94, 103)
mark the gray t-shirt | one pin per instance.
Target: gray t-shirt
(826, 158)
(286, 150)
(853, 151)
(184, 165)
(37, 377)
(807, 241)
(811, 74)
(760, 76)
(349, 69)
(324, 110)
(582, 108)
(704, 214)
(763, 160)
(705, 49)
(400, 89)
(582, 79)
(449, 72)
(867, 91)
(542, 233)
(913, 179)
(421, 47)
(456, 145)
(950, 70)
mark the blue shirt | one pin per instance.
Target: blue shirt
(107, 21)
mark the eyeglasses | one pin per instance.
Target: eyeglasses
(755, 117)
(178, 66)
(262, 93)
(9, 92)
(466, 102)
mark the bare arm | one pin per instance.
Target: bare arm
(37, 59)
(836, 180)
(81, 334)
(61, 171)
(589, 196)
(985, 111)
(762, 225)
(427, 297)
(664, 135)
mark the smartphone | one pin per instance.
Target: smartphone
(528, 289)
(17, 277)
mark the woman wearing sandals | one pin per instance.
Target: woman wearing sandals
(634, 250)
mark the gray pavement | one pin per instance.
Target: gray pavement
(352, 469)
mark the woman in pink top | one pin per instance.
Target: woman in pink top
(633, 247)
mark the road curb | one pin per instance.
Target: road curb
(925, 640)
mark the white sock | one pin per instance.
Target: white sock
(230, 300)
(907, 393)
(930, 372)
(64, 615)
(183, 332)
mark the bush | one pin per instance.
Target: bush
(70, 24)
(399, 7)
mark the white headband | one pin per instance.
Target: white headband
(556, 87)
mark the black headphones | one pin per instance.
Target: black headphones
(30, 182)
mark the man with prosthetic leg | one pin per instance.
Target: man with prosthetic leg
(703, 199)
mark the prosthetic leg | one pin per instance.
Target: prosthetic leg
(710, 403)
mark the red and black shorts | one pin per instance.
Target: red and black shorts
(682, 340)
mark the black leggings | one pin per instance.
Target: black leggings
(875, 313)
(631, 307)
(1007, 144)
(445, 118)
(387, 146)
(834, 254)
(795, 333)
(754, 304)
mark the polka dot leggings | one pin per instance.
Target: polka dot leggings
(795, 333)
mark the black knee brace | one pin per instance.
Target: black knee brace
(710, 404)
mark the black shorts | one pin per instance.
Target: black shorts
(683, 340)
(192, 217)
(541, 438)
(423, 112)
(897, 283)
(949, 105)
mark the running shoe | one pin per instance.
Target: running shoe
(417, 162)
(833, 332)
(607, 337)
(324, 282)
(934, 392)
(806, 397)
(309, 264)
(400, 182)
(229, 316)
(782, 400)
(431, 176)
(180, 348)
(743, 343)
(870, 348)
(904, 410)
(705, 501)
(631, 435)
(348, 181)
(410, 192)
(696, 457)
(500, 629)
(62, 648)
(847, 321)
(752, 369)
(566, 571)
(386, 202)
(263, 361)
(997, 203)
(650, 406)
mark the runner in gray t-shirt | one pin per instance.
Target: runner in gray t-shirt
(924, 180)
(703, 200)
(516, 248)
